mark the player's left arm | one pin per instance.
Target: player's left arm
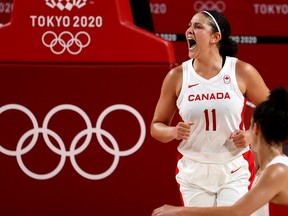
(251, 83)
(254, 88)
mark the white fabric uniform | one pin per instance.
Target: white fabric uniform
(265, 210)
(216, 106)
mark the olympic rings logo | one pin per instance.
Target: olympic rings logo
(73, 151)
(209, 5)
(65, 41)
(68, 6)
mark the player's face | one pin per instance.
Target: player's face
(198, 34)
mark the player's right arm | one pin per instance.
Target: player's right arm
(161, 128)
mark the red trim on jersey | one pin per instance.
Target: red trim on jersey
(242, 123)
(249, 157)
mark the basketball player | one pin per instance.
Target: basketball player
(216, 166)
(269, 194)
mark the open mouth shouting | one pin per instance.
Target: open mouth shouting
(191, 43)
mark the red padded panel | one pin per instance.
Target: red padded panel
(79, 31)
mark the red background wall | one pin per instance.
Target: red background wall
(122, 66)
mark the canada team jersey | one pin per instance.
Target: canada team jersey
(216, 106)
(271, 209)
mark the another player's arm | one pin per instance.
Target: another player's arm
(263, 192)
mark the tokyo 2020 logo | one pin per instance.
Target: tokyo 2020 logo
(68, 30)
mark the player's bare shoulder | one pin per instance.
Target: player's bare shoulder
(176, 72)
(175, 75)
(278, 173)
(174, 78)
(250, 82)
(246, 73)
(244, 69)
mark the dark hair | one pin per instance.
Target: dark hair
(227, 46)
(272, 116)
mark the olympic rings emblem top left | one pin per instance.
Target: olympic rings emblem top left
(67, 38)
(73, 151)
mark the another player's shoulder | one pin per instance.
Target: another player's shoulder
(276, 171)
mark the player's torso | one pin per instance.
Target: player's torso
(217, 97)
(216, 107)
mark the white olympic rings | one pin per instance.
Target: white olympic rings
(65, 41)
(68, 5)
(219, 6)
(73, 151)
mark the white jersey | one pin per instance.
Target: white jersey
(216, 106)
(272, 209)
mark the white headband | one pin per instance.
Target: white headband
(218, 28)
